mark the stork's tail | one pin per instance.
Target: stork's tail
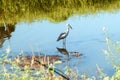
(58, 39)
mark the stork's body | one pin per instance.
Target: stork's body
(63, 35)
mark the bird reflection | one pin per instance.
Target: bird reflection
(63, 51)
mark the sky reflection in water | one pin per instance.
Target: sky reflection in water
(86, 37)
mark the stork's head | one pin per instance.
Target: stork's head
(69, 26)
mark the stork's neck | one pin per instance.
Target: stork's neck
(68, 29)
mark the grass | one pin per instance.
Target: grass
(13, 71)
(15, 11)
(113, 55)
(31, 68)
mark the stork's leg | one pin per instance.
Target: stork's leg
(64, 43)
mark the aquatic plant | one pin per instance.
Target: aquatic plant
(33, 69)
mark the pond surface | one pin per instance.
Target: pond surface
(86, 37)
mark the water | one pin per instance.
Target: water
(86, 37)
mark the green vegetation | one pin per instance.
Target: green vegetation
(13, 72)
(113, 55)
(14, 11)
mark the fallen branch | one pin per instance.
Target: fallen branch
(59, 72)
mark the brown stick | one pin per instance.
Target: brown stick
(59, 72)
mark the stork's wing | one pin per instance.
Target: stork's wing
(61, 36)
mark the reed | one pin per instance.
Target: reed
(14, 11)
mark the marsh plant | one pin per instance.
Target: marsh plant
(10, 70)
(15, 11)
(112, 53)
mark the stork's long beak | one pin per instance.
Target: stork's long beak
(70, 26)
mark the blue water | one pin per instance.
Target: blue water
(86, 37)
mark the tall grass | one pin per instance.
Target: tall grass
(112, 53)
(12, 71)
(13, 11)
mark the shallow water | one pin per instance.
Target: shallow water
(86, 37)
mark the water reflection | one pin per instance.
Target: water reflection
(63, 51)
(86, 37)
(5, 33)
